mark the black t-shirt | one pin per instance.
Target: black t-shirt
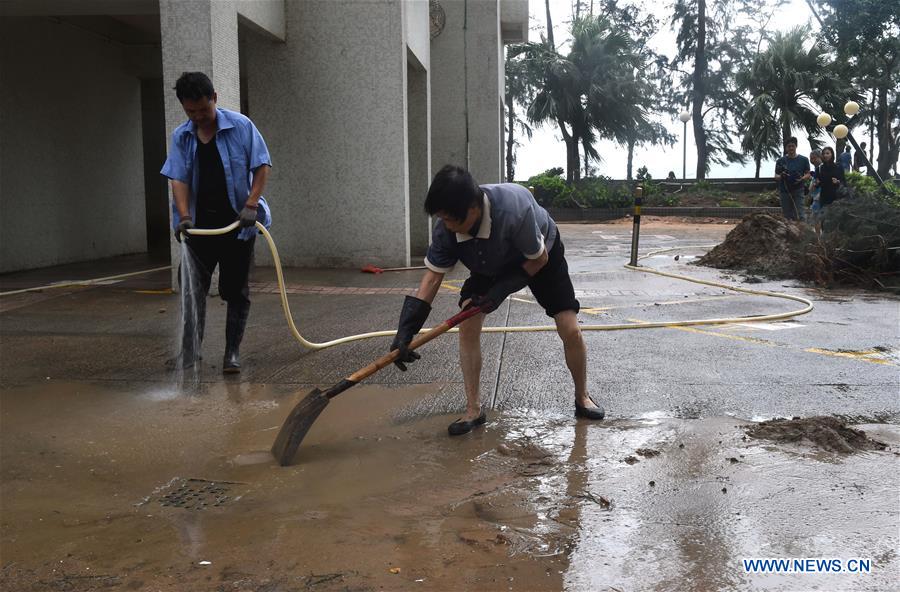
(213, 207)
(829, 189)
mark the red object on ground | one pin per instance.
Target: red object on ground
(371, 269)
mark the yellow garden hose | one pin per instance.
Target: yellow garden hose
(316, 346)
(388, 333)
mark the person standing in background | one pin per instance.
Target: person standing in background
(858, 161)
(846, 160)
(791, 172)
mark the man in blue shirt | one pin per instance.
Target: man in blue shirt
(792, 172)
(218, 165)
(846, 160)
(507, 241)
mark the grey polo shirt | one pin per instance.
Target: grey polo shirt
(513, 228)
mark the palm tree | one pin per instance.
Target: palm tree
(606, 61)
(792, 81)
(583, 92)
(557, 97)
(761, 139)
(519, 85)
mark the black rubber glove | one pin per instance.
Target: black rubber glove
(248, 216)
(183, 225)
(506, 284)
(412, 317)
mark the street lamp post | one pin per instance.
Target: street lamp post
(684, 117)
(841, 131)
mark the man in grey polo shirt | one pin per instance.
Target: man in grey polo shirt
(507, 241)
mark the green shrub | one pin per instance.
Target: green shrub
(668, 200)
(768, 199)
(550, 188)
(553, 172)
(646, 181)
(861, 184)
(730, 203)
(701, 185)
(864, 186)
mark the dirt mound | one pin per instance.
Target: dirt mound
(763, 244)
(822, 431)
(859, 245)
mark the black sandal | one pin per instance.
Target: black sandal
(460, 426)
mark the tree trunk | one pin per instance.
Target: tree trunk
(699, 97)
(872, 118)
(758, 159)
(785, 131)
(628, 174)
(510, 138)
(549, 26)
(570, 143)
(576, 161)
(888, 145)
(587, 163)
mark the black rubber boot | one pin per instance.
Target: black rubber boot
(235, 322)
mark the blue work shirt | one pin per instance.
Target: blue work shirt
(792, 170)
(242, 150)
(846, 161)
(513, 228)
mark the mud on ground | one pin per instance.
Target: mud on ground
(167, 489)
(827, 433)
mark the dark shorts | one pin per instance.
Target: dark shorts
(551, 286)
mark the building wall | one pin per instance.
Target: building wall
(419, 151)
(485, 84)
(266, 16)
(71, 158)
(467, 89)
(418, 32)
(448, 91)
(331, 104)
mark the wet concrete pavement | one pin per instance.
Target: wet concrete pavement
(107, 459)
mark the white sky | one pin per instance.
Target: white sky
(546, 148)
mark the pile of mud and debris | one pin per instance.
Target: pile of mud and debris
(824, 432)
(764, 244)
(858, 244)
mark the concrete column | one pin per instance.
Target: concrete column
(484, 51)
(332, 105)
(198, 36)
(467, 89)
(419, 157)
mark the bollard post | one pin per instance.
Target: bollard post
(636, 227)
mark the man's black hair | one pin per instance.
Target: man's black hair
(453, 191)
(791, 140)
(847, 148)
(194, 86)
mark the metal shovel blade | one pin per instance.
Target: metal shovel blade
(297, 425)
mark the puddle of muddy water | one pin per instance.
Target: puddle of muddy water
(379, 500)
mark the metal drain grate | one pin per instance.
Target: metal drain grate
(198, 494)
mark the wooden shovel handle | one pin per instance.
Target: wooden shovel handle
(417, 342)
